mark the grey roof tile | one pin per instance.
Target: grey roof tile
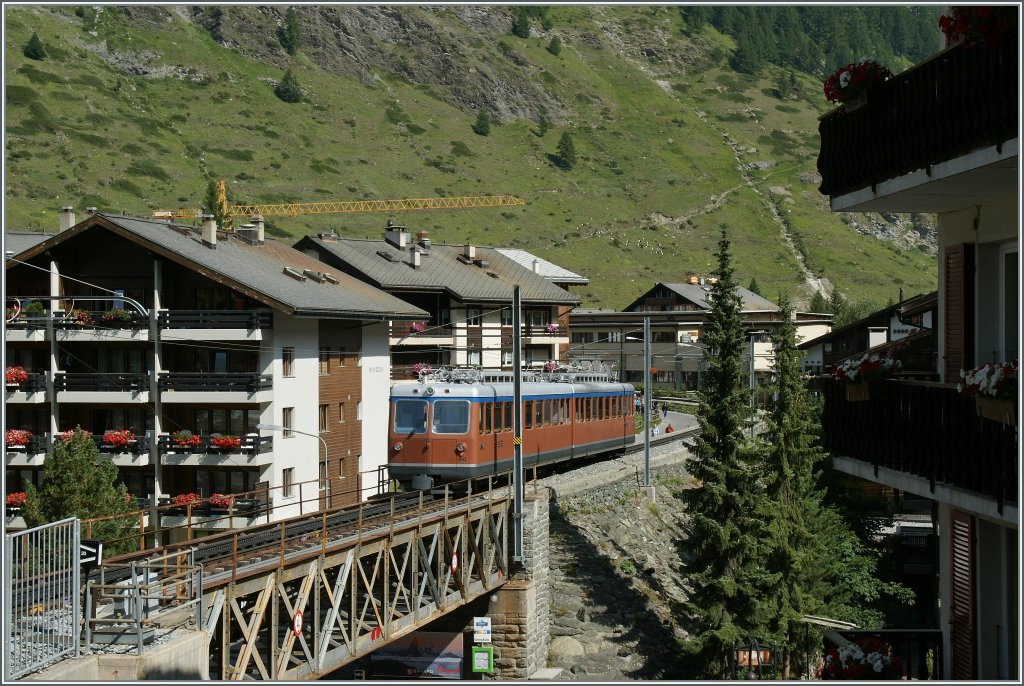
(18, 242)
(549, 270)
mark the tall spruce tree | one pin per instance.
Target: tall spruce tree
(34, 49)
(289, 33)
(80, 482)
(724, 529)
(482, 125)
(289, 89)
(521, 24)
(566, 151)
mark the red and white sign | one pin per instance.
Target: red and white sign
(297, 623)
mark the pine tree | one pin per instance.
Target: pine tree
(555, 46)
(79, 482)
(289, 89)
(482, 125)
(34, 49)
(521, 24)
(289, 34)
(724, 528)
(754, 287)
(543, 124)
(566, 151)
(819, 303)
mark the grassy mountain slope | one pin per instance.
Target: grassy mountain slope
(136, 109)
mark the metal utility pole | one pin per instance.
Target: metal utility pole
(647, 402)
(517, 430)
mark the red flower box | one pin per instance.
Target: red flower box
(119, 438)
(185, 439)
(17, 437)
(225, 442)
(16, 499)
(15, 375)
(183, 499)
(222, 501)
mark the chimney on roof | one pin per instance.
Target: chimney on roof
(470, 251)
(209, 231)
(536, 266)
(396, 235)
(90, 211)
(421, 238)
(67, 217)
(701, 281)
(257, 220)
(692, 280)
(415, 257)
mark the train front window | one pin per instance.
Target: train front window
(410, 416)
(450, 417)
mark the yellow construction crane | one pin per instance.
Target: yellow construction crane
(329, 207)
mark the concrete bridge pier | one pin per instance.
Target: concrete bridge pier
(520, 610)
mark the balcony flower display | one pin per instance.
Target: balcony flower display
(16, 438)
(70, 433)
(867, 368)
(80, 317)
(118, 315)
(418, 327)
(118, 438)
(994, 388)
(185, 439)
(15, 375)
(11, 312)
(221, 501)
(976, 25)
(225, 442)
(16, 499)
(421, 368)
(552, 328)
(550, 367)
(865, 659)
(850, 84)
(184, 499)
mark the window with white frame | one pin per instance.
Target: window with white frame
(287, 481)
(474, 316)
(287, 419)
(288, 361)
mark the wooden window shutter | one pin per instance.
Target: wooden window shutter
(961, 597)
(959, 301)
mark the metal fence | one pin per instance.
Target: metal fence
(42, 601)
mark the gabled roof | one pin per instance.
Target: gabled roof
(258, 271)
(909, 307)
(549, 270)
(698, 295)
(441, 269)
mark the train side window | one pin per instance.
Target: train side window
(488, 410)
(508, 416)
(547, 413)
(565, 411)
(528, 414)
(556, 411)
(538, 417)
(450, 417)
(481, 409)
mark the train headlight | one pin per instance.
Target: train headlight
(398, 447)
(460, 448)
(430, 390)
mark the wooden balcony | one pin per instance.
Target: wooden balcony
(101, 387)
(253, 451)
(919, 651)
(927, 430)
(201, 387)
(957, 101)
(31, 390)
(214, 324)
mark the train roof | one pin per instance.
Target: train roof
(481, 389)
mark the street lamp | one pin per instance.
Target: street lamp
(282, 429)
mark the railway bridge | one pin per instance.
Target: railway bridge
(303, 597)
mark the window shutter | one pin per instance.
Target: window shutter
(959, 301)
(961, 605)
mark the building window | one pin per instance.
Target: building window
(341, 357)
(582, 337)
(506, 316)
(323, 476)
(663, 337)
(473, 356)
(288, 361)
(341, 413)
(538, 317)
(611, 337)
(325, 361)
(287, 479)
(473, 316)
(287, 417)
(324, 418)
(506, 357)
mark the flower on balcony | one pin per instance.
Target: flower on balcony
(866, 658)
(418, 327)
(552, 328)
(64, 436)
(17, 437)
(223, 501)
(976, 25)
(870, 367)
(118, 438)
(421, 368)
(225, 442)
(118, 314)
(15, 375)
(995, 380)
(16, 499)
(853, 79)
(185, 499)
(550, 366)
(185, 439)
(79, 316)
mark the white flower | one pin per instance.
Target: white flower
(844, 79)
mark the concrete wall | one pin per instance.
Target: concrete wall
(184, 659)
(521, 610)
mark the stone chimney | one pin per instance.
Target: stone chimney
(536, 266)
(396, 235)
(257, 221)
(67, 217)
(209, 231)
(470, 251)
(415, 257)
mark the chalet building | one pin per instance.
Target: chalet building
(943, 137)
(466, 292)
(678, 315)
(187, 340)
(906, 328)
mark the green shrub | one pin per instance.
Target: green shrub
(289, 89)
(34, 49)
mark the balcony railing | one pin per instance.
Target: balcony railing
(34, 382)
(116, 382)
(138, 446)
(28, 321)
(215, 319)
(402, 329)
(243, 382)
(69, 322)
(925, 429)
(252, 445)
(919, 650)
(959, 100)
